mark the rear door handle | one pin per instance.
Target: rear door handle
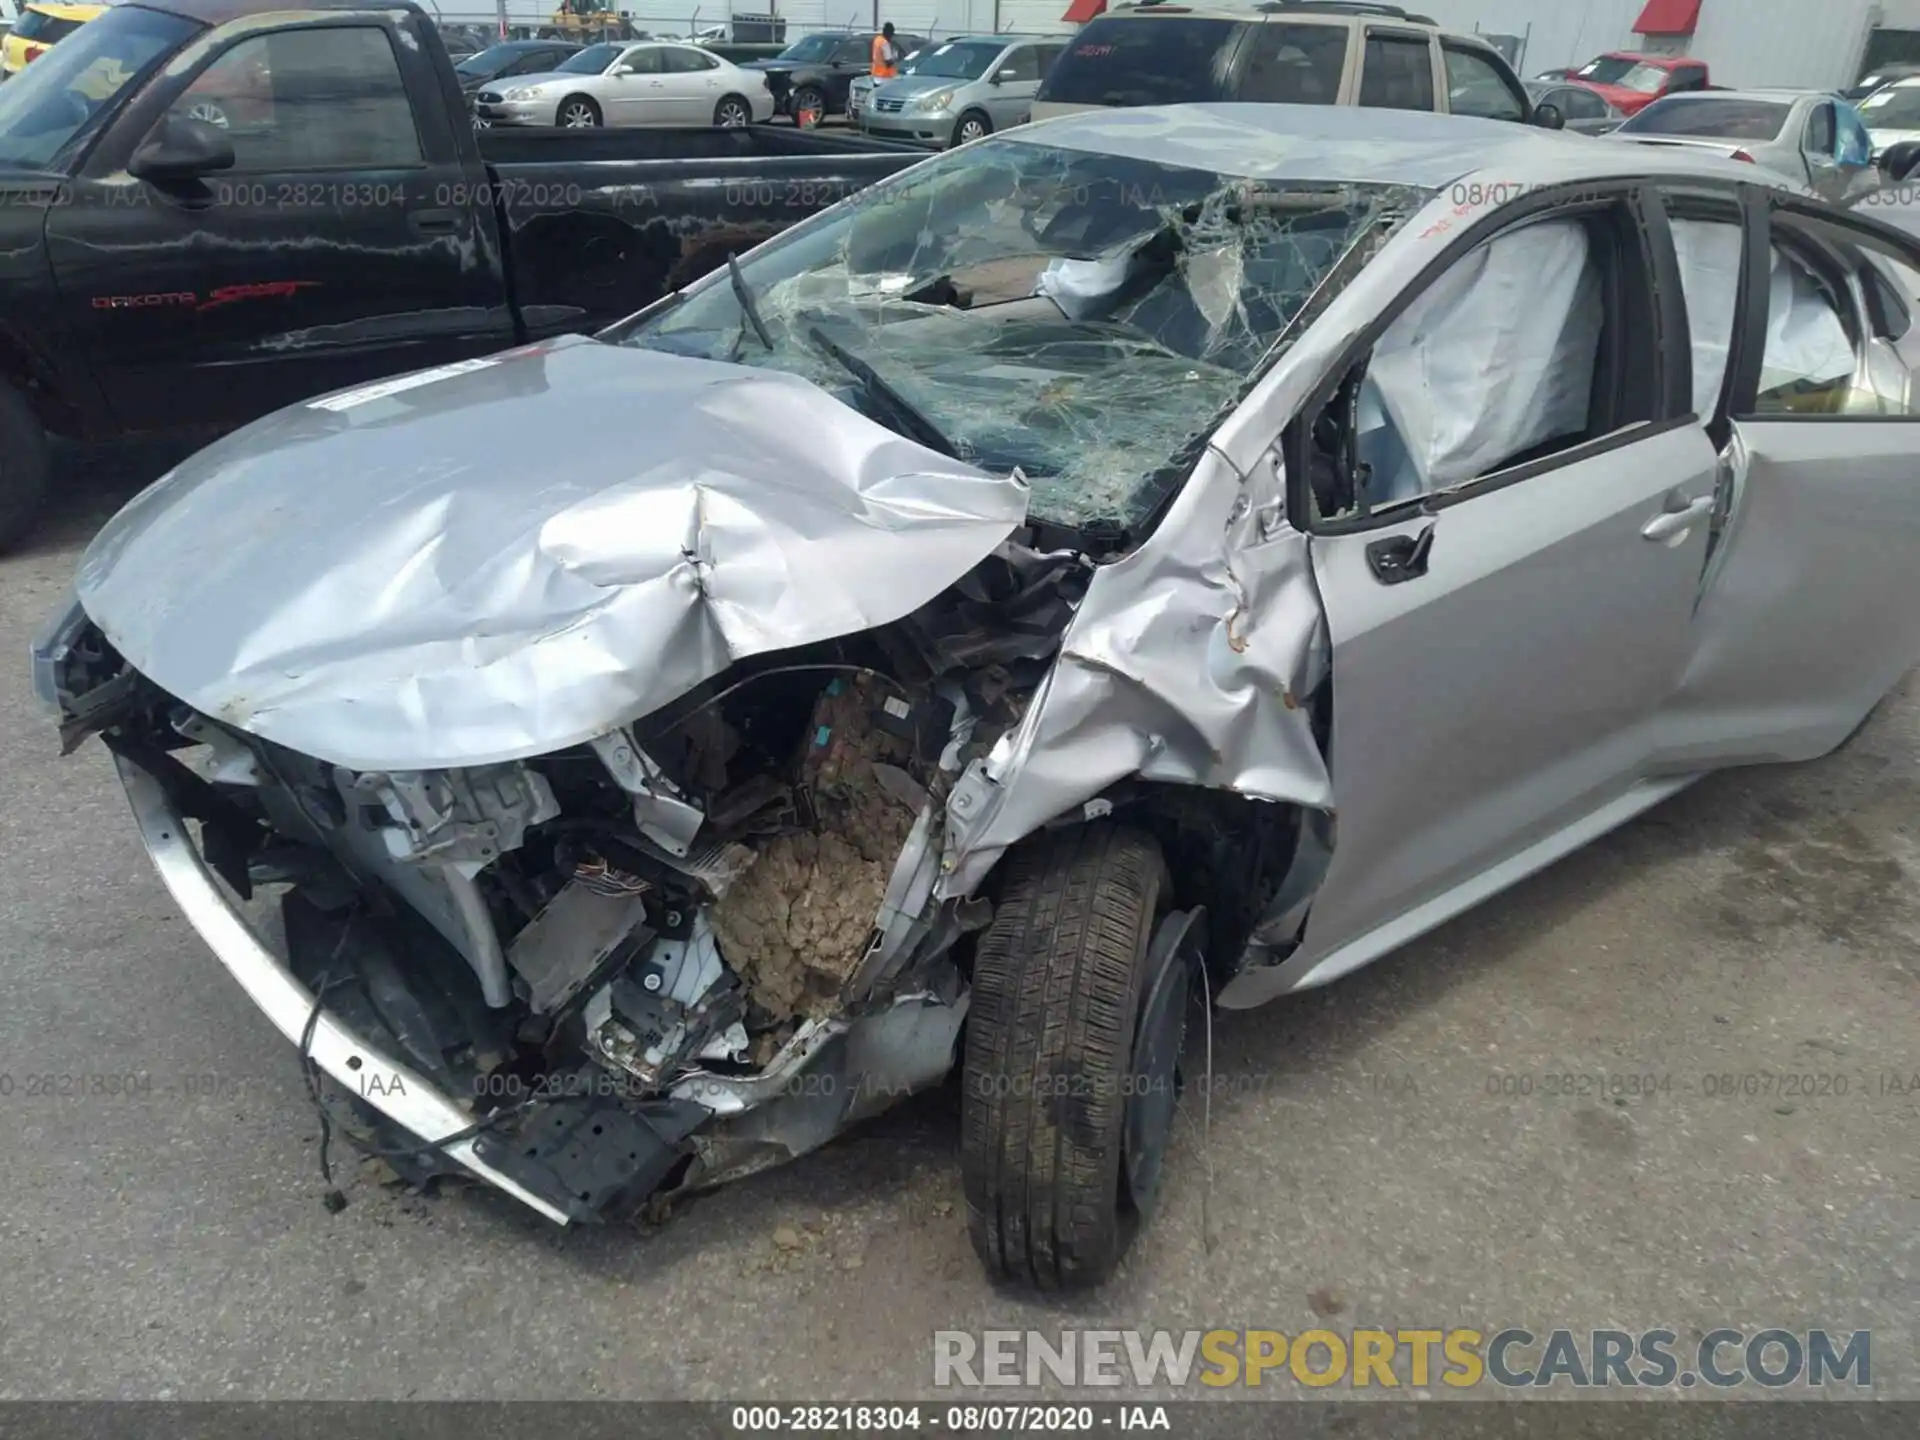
(434, 222)
(1672, 524)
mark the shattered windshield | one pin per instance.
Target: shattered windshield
(1084, 317)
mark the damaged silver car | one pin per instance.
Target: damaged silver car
(1162, 558)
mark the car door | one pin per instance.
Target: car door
(1397, 69)
(1477, 86)
(1508, 527)
(1809, 609)
(854, 56)
(1819, 153)
(634, 89)
(691, 86)
(345, 242)
(1016, 74)
(1586, 112)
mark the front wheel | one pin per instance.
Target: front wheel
(577, 112)
(732, 113)
(809, 105)
(971, 126)
(1073, 1030)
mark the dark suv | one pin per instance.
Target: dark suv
(1288, 52)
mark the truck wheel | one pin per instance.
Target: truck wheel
(1054, 1148)
(971, 126)
(24, 466)
(577, 112)
(731, 113)
(809, 106)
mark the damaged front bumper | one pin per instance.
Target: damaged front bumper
(395, 1090)
(572, 1155)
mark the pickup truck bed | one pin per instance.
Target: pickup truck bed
(168, 274)
(634, 214)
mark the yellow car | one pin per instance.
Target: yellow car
(40, 27)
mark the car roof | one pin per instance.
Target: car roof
(219, 12)
(1334, 143)
(1776, 95)
(1661, 62)
(1303, 12)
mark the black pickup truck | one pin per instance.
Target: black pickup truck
(213, 208)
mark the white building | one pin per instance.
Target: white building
(1819, 44)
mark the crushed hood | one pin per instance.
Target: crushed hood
(509, 556)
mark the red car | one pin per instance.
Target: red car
(1631, 81)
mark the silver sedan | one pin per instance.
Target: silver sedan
(1244, 538)
(1796, 133)
(651, 83)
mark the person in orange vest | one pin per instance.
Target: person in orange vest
(886, 55)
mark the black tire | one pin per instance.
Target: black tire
(970, 126)
(1057, 984)
(808, 97)
(25, 463)
(732, 112)
(577, 112)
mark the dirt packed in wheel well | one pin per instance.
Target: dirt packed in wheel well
(797, 922)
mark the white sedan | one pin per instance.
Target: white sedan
(651, 83)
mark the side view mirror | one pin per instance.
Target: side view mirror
(1548, 117)
(181, 148)
(998, 77)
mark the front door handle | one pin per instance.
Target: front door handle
(434, 222)
(1674, 524)
(1400, 558)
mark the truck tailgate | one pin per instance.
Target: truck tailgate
(599, 224)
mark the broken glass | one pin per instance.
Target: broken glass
(1082, 317)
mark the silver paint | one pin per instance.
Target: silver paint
(517, 559)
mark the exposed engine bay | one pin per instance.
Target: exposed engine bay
(624, 951)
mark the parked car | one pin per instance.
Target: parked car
(862, 86)
(653, 819)
(651, 83)
(810, 78)
(220, 206)
(1878, 79)
(962, 89)
(511, 58)
(1631, 80)
(1813, 138)
(39, 28)
(1579, 108)
(1328, 53)
(1892, 115)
